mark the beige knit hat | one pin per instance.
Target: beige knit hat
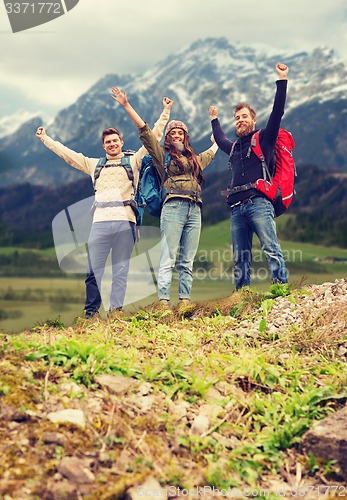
(176, 124)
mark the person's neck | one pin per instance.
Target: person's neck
(115, 157)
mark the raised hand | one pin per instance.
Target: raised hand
(213, 112)
(119, 96)
(40, 132)
(282, 71)
(167, 103)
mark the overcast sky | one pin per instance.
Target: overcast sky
(49, 67)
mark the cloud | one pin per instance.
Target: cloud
(55, 63)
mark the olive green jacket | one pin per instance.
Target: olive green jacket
(175, 179)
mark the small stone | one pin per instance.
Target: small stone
(115, 384)
(76, 470)
(71, 416)
(200, 425)
(144, 389)
(54, 438)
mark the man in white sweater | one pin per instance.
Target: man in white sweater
(114, 221)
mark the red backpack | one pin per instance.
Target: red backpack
(280, 187)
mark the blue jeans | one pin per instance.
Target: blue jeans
(117, 237)
(255, 216)
(180, 226)
(93, 297)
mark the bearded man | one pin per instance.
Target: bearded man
(251, 210)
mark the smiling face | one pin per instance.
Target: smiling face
(177, 134)
(113, 144)
(244, 122)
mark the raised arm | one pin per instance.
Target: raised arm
(220, 138)
(121, 98)
(274, 121)
(207, 156)
(158, 129)
(76, 160)
(160, 124)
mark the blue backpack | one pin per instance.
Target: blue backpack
(150, 191)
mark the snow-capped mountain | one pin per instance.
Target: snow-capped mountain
(210, 71)
(10, 123)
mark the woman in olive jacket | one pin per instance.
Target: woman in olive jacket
(180, 221)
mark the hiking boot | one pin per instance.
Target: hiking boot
(164, 305)
(115, 313)
(183, 302)
(86, 318)
(185, 308)
(92, 315)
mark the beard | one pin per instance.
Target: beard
(178, 145)
(245, 130)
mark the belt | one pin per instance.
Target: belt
(243, 202)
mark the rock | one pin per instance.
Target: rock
(76, 470)
(229, 442)
(13, 414)
(328, 439)
(141, 404)
(115, 384)
(54, 438)
(62, 490)
(342, 351)
(200, 425)
(144, 389)
(71, 416)
(211, 411)
(123, 460)
(149, 489)
(179, 409)
(145, 403)
(70, 388)
(213, 394)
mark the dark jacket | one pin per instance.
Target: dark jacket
(245, 166)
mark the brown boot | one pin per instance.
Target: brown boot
(164, 304)
(115, 313)
(184, 302)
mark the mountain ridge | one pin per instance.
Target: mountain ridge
(209, 71)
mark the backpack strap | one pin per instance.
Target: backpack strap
(99, 166)
(231, 154)
(124, 162)
(167, 160)
(255, 146)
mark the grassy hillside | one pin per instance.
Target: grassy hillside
(33, 288)
(215, 394)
